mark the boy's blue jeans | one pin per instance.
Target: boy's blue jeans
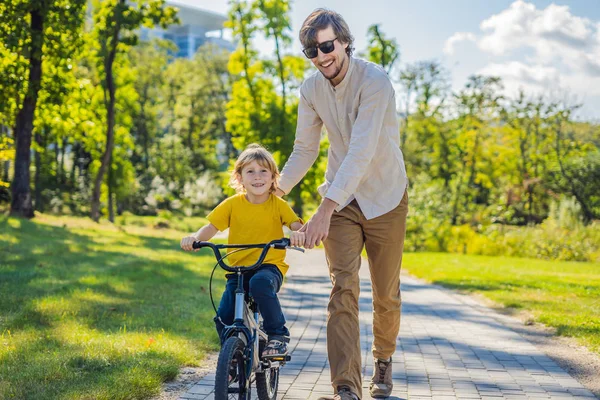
(263, 285)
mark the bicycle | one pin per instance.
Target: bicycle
(240, 360)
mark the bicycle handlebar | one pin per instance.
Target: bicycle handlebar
(279, 244)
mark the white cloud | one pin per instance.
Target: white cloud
(564, 49)
(533, 78)
(457, 38)
(544, 30)
(508, 29)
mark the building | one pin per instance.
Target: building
(197, 27)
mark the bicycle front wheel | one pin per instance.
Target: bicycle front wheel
(231, 381)
(267, 383)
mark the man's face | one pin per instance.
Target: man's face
(335, 64)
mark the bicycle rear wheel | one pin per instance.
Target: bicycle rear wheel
(231, 381)
(267, 383)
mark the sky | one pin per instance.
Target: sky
(549, 48)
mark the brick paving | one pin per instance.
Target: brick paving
(450, 346)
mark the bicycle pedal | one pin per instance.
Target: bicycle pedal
(281, 359)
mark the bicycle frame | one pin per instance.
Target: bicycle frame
(246, 321)
(246, 326)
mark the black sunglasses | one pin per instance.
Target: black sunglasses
(326, 48)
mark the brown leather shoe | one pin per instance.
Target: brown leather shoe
(381, 383)
(344, 393)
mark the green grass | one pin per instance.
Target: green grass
(562, 295)
(96, 311)
(101, 311)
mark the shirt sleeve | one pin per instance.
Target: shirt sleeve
(366, 132)
(288, 216)
(306, 145)
(220, 217)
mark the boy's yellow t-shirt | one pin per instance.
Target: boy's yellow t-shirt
(254, 223)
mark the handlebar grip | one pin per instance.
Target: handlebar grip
(199, 245)
(282, 244)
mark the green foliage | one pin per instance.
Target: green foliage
(578, 176)
(260, 109)
(562, 236)
(479, 164)
(381, 50)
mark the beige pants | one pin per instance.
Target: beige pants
(384, 240)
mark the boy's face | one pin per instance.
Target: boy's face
(257, 180)
(333, 65)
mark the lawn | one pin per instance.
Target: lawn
(96, 311)
(562, 295)
(102, 311)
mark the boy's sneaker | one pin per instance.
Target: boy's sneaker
(381, 383)
(277, 347)
(344, 393)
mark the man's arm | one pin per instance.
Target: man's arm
(306, 147)
(317, 228)
(365, 135)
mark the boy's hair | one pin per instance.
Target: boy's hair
(320, 19)
(254, 152)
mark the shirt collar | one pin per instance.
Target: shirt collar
(344, 81)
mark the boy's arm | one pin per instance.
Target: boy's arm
(205, 233)
(295, 226)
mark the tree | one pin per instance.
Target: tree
(277, 27)
(149, 61)
(115, 23)
(577, 165)
(381, 50)
(47, 27)
(528, 136)
(197, 92)
(477, 105)
(259, 109)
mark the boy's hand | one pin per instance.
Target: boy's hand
(297, 238)
(187, 242)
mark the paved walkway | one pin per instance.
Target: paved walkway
(450, 347)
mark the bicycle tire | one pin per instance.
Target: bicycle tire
(267, 383)
(231, 358)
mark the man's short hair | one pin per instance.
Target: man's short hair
(320, 19)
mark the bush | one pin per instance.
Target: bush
(562, 236)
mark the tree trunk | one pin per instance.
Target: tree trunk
(6, 167)
(281, 69)
(63, 151)
(5, 176)
(110, 120)
(111, 210)
(106, 157)
(21, 204)
(75, 155)
(37, 179)
(57, 161)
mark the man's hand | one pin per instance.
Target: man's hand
(317, 228)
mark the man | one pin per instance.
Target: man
(364, 195)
